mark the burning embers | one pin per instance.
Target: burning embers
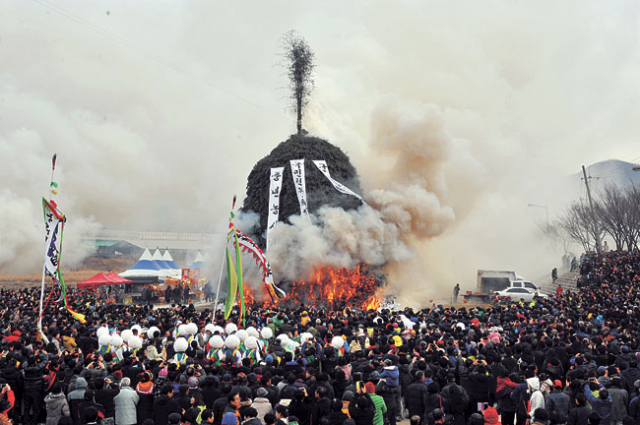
(335, 289)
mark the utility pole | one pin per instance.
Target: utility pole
(593, 212)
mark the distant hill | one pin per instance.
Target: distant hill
(610, 172)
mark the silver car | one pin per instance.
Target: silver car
(516, 294)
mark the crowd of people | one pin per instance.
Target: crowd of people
(570, 359)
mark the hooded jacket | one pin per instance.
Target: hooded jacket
(57, 407)
(75, 398)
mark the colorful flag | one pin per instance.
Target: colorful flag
(55, 221)
(232, 286)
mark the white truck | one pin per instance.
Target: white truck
(492, 281)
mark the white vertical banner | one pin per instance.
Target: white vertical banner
(297, 169)
(275, 186)
(324, 169)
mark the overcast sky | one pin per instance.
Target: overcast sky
(159, 109)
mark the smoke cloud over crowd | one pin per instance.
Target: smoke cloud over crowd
(456, 118)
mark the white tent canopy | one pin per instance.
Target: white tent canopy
(145, 267)
(198, 263)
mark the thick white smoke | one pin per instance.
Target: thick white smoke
(414, 151)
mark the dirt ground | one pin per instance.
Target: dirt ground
(90, 267)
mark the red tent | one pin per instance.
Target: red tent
(102, 279)
(117, 279)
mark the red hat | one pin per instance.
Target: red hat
(370, 388)
(557, 384)
(491, 416)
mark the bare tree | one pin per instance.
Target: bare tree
(581, 225)
(300, 65)
(611, 210)
(631, 221)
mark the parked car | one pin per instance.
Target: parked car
(516, 294)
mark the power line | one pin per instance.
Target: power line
(125, 43)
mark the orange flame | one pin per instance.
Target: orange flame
(333, 288)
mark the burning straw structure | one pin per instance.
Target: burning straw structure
(319, 190)
(299, 177)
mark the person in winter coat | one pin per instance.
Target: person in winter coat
(144, 389)
(322, 406)
(89, 403)
(76, 397)
(125, 404)
(362, 410)
(249, 415)
(456, 400)
(56, 405)
(262, 404)
(416, 398)
(504, 386)
(33, 390)
(537, 398)
(378, 403)
(580, 413)
(165, 405)
(482, 386)
(634, 408)
(601, 404)
(388, 394)
(558, 404)
(337, 415)
(391, 373)
(619, 400)
(105, 393)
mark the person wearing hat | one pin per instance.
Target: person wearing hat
(491, 416)
(558, 404)
(619, 400)
(261, 403)
(378, 403)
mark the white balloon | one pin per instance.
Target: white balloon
(126, 335)
(251, 342)
(102, 331)
(337, 342)
(242, 334)
(251, 331)
(135, 342)
(180, 345)
(216, 341)
(305, 336)
(116, 340)
(232, 342)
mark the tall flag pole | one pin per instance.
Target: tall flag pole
(54, 221)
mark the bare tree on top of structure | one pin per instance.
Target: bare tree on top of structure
(300, 63)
